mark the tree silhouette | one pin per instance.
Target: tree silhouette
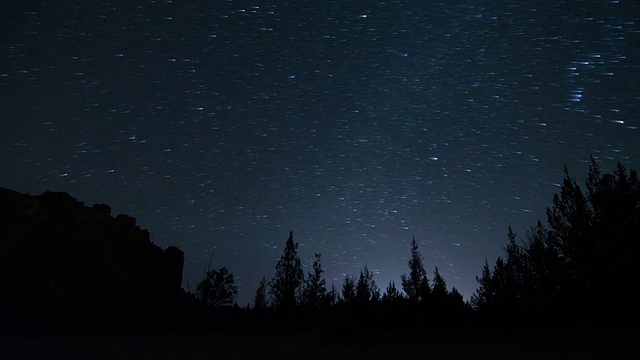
(392, 295)
(545, 274)
(217, 288)
(597, 234)
(366, 288)
(571, 222)
(314, 292)
(439, 291)
(260, 300)
(456, 300)
(416, 284)
(333, 295)
(615, 204)
(348, 290)
(514, 270)
(288, 277)
(483, 297)
(580, 260)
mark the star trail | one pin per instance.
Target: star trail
(222, 125)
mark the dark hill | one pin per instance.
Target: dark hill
(65, 265)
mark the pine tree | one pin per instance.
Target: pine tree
(456, 300)
(333, 296)
(288, 277)
(348, 290)
(439, 291)
(596, 234)
(392, 295)
(314, 294)
(416, 284)
(514, 269)
(483, 297)
(366, 288)
(260, 300)
(439, 284)
(615, 200)
(571, 221)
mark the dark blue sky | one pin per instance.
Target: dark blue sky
(222, 125)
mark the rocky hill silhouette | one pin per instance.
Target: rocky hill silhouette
(65, 265)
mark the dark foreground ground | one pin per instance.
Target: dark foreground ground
(307, 345)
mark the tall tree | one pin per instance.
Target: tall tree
(615, 200)
(482, 298)
(547, 273)
(348, 290)
(456, 300)
(392, 294)
(571, 223)
(366, 288)
(314, 293)
(416, 284)
(333, 295)
(514, 268)
(288, 277)
(439, 291)
(260, 300)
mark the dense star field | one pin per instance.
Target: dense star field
(222, 125)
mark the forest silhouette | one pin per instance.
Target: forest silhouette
(69, 268)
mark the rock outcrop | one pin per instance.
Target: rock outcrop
(66, 264)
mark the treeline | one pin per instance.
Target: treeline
(291, 290)
(292, 301)
(576, 269)
(582, 265)
(63, 264)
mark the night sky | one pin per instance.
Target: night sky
(222, 125)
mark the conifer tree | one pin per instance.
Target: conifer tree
(260, 300)
(439, 291)
(615, 201)
(288, 277)
(416, 284)
(333, 296)
(456, 299)
(348, 290)
(514, 269)
(314, 294)
(571, 220)
(484, 294)
(391, 294)
(366, 288)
